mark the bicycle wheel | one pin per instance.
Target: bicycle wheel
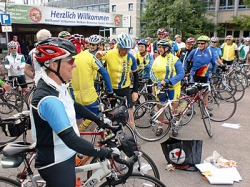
(143, 97)
(138, 180)
(7, 182)
(206, 119)
(242, 77)
(147, 166)
(240, 90)
(228, 84)
(17, 100)
(7, 110)
(222, 104)
(145, 122)
(186, 118)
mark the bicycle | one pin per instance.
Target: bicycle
(16, 153)
(146, 115)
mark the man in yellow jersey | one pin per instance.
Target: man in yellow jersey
(229, 51)
(167, 71)
(120, 63)
(84, 74)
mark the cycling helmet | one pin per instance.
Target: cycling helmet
(203, 38)
(103, 40)
(76, 39)
(191, 41)
(165, 43)
(229, 37)
(12, 44)
(95, 39)
(111, 42)
(214, 39)
(161, 31)
(63, 34)
(143, 42)
(124, 41)
(137, 38)
(166, 33)
(247, 39)
(177, 36)
(52, 49)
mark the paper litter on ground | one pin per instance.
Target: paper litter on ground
(231, 125)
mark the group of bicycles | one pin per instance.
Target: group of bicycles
(216, 100)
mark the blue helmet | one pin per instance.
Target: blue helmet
(124, 41)
(165, 43)
(143, 42)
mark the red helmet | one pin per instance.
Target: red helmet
(53, 49)
(191, 41)
(166, 33)
(161, 31)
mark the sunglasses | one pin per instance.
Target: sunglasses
(70, 61)
(12, 48)
(92, 44)
(214, 42)
(201, 43)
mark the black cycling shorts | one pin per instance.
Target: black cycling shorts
(20, 80)
(200, 79)
(60, 175)
(228, 62)
(123, 92)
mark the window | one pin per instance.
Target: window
(236, 34)
(229, 32)
(246, 34)
(114, 31)
(130, 30)
(130, 7)
(113, 8)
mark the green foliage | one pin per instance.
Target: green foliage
(185, 17)
(247, 2)
(242, 21)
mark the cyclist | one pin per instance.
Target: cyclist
(77, 40)
(15, 39)
(244, 50)
(15, 64)
(32, 67)
(64, 34)
(54, 128)
(161, 35)
(183, 53)
(120, 63)
(217, 51)
(111, 44)
(178, 41)
(150, 47)
(144, 62)
(87, 66)
(4, 87)
(175, 47)
(229, 51)
(167, 71)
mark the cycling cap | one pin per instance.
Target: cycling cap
(95, 39)
(214, 39)
(52, 49)
(229, 37)
(191, 41)
(161, 31)
(63, 34)
(124, 41)
(203, 38)
(177, 36)
(143, 42)
(12, 44)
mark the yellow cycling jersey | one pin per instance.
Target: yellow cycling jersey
(164, 67)
(119, 68)
(83, 78)
(143, 61)
(229, 51)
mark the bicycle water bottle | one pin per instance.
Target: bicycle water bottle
(79, 158)
(182, 106)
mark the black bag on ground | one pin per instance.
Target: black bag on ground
(183, 154)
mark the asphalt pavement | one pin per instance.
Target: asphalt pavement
(232, 144)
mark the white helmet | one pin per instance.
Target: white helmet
(94, 39)
(12, 44)
(214, 39)
(125, 41)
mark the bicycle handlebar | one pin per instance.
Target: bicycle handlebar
(129, 163)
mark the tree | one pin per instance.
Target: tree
(185, 17)
(242, 21)
(247, 2)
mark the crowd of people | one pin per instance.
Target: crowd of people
(65, 67)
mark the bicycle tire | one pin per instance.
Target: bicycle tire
(222, 104)
(7, 110)
(228, 84)
(144, 127)
(7, 182)
(143, 97)
(138, 180)
(17, 100)
(206, 119)
(242, 77)
(240, 90)
(187, 117)
(145, 161)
